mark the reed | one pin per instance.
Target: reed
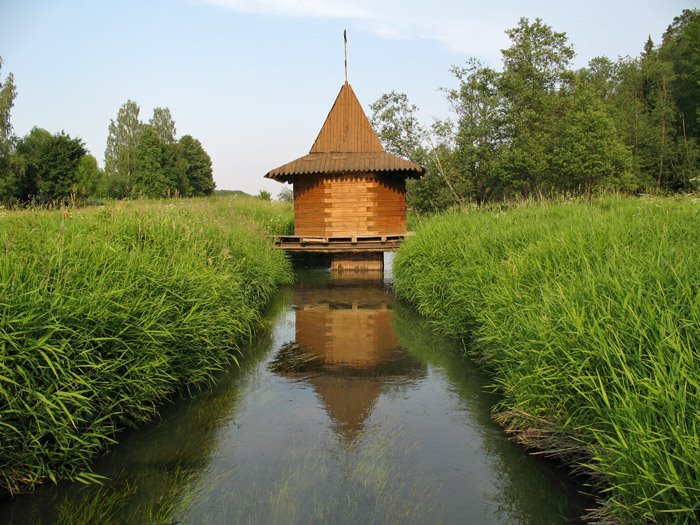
(105, 312)
(587, 315)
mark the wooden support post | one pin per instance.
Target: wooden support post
(357, 262)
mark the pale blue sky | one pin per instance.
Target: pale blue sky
(254, 80)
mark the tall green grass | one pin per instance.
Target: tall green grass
(105, 312)
(588, 317)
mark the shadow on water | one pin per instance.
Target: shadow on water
(346, 409)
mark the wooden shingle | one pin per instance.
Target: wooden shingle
(346, 144)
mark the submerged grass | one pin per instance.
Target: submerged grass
(105, 312)
(588, 317)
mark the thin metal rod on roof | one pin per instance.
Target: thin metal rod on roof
(345, 40)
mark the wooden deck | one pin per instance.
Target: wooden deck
(358, 244)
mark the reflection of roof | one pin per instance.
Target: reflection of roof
(346, 144)
(348, 401)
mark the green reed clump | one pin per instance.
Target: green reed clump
(588, 317)
(105, 312)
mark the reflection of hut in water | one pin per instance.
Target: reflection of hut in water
(346, 349)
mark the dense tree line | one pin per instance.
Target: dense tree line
(145, 159)
(141, 159)
(539, 128)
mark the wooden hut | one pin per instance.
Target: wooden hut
(349, 194)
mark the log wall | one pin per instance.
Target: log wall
(349, 205)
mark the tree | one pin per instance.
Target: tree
(172, 164)
(121, 151)
(90, 180)
(478, 105)
(286, 195)
(440, 187)
(29, 153)
(599, 76)
(8, 168)
(681, 47)
(681, 50)
(59, 168)
(264, 195)
(176, 167)
(659, 108)
(535, 67)
(647, 116)
(50, 165)
(8, 93)
(145, 159)
(536, 62)
(539, 128)
(149, 176)
(648, 113)
(628, 110)
(396, 124)
(589, 153)
(164, 125)
(196, 166)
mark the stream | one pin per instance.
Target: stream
(346, 408)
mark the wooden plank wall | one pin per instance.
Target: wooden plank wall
(309, 207)
(349, 205)
(389, 213)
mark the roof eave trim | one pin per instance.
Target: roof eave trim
(288, 177)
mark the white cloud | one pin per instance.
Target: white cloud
(476, 27)
(458, 26)
(295, 8)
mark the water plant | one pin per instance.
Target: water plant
(587, 315)
(105, 312)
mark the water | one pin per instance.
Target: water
(347, 409)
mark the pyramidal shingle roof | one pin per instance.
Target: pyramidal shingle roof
(346, 144)
(346, 129)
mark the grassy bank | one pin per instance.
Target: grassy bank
(588, 317)
(104, 312)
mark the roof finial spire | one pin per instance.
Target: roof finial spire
(345, 40)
